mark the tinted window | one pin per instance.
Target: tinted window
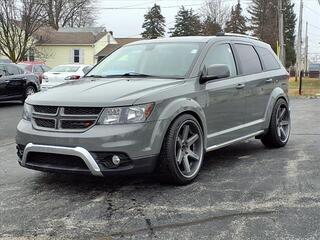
(267, 58)
(37, 69)
(249, 60)
(13, 70)
(221, 54)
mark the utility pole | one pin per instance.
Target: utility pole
(306, 50)
(298, 63)
(281, 37)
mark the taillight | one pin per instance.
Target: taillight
(72, 77)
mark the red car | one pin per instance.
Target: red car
(38, 68)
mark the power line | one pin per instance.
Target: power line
(136, 8)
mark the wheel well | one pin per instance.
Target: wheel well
(33, 85)
(195, 115)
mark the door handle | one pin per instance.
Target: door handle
(240, 86)
(6, 81)
(270, 80)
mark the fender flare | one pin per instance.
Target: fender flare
(276, 94)
(180, 106)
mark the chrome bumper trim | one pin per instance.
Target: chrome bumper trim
(77, 151)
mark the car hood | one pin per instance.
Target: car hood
(102, 92)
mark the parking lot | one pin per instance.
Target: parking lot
(244, 191)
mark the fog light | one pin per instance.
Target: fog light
(116, 160)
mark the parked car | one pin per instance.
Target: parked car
(159, 105)
(38, 68)
(15, 83)
(4, 60)
(62, 73)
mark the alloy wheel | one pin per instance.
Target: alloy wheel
(30, 91)
(283, 123)
(189, 148)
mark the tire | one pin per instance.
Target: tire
(280, 125)
(30, 90)
(182, 151)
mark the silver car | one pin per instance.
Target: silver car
(158, 106)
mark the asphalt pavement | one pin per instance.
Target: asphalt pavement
(244, 191)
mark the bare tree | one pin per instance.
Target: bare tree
(19, 20)
(73, 13)
(216, 10)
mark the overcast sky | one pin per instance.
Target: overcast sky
(117, 16)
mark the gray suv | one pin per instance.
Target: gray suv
(158, 106)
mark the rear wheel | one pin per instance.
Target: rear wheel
(182, 151)
(280, 126)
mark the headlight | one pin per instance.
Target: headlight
(27, 112)
(121, 115)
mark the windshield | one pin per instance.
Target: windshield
(25, 67)
(156, 59)
(65, 69)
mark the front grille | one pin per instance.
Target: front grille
(71, 119)
(71, 124)
(45, 123)
(52, 160)
(82, 110)
(45, 109)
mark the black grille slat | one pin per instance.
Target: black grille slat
(45, 123)
(77, 124)
(82, 110)
(75, 119)
(55, 160)
(45, 109)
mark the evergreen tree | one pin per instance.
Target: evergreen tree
(264, 21)
(154, 23)
(237, 22)
(289, 20)
(187, 23)
(210, 27)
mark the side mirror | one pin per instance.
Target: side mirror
(213, 72)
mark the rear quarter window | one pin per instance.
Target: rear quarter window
(248, 59)
(268, 60)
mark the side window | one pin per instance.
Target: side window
(86, 69)
(37, 69)
(249, 59)
(221, 54)
(12, 70)
(268, 59)
(2, 71)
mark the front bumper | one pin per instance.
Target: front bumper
(139, 144)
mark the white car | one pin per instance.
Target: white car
(62, 73)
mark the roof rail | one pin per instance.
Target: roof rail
(236, 35)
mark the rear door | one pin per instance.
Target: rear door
(225, 111)
(251, 70)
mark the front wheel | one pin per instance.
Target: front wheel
(182, 151)
(280, 126)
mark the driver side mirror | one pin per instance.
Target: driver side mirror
(213, 72)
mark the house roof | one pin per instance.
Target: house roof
(112, 47)
(52, 37)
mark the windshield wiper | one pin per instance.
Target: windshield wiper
(135, 74)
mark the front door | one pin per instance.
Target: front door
(225, 111)
(3, 82)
